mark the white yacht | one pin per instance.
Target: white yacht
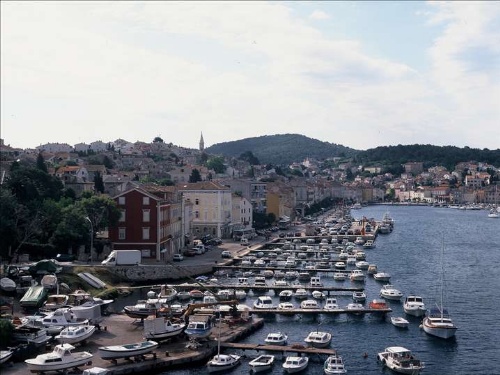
(414, 305)
(437, 322)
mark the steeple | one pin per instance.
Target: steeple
(202, 143)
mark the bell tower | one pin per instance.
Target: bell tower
(202, 143)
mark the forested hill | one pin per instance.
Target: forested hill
(447, 156)
(281, 148)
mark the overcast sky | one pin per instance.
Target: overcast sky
(359, 74)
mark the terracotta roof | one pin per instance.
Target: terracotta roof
(203, 185)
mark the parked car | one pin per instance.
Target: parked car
(178, 257)
(65, 258)
(189, 253)
(226, 254)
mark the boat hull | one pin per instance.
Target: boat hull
(441, 332)
(80, 359)
(121, 351)
(165, 334)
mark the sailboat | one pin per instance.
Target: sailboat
(222, 362)
(437, 321)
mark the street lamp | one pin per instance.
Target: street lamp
(91, 236)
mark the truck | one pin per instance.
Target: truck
(123, 258)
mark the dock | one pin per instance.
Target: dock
(278, 348)
(275, 288)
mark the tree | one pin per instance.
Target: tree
(40, 163)
(195, 176)
(157, 140)
(249, 157)
(98, 182)
(217, 164)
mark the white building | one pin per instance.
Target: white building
(242, 213)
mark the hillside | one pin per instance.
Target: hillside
(281, 148)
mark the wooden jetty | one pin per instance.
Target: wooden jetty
(278, 348)
(306, 311)
(275, 288)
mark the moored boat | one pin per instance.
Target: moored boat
(318, 339)
(414, 305)
(223, 362)
(294, 364)
(276, 338)
(334, 365)
(400, 360)
(5, 355)
(262, 363)
(437, 322)
(389, 292)
(399, 321)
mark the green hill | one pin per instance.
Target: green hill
(281, 148)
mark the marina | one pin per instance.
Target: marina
(359, 334)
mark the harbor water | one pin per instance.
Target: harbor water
(413, 255)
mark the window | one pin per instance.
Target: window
(197, 201)
(145, 216)
(145, 233)
(123, 215)
(121, 200)
(145, 201)
(121, 233)
(197, 214)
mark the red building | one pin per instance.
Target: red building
(145, 221)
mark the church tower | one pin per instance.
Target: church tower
(202, 143)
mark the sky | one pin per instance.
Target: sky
(361, 74)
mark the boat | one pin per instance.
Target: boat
(357, 275)
(493, 214)
(143, 308)
(197, 294)
(55, 301)
(309, 304)
(399, 321)
(199, 327)
(372, 269)
(359, 296)
(240, 294)
(286, 295)
(301, 293)
(294, 364)
(340, 265)
(388, 291)
(27, 333)
(7, 285)
(437, 321)
(62, 317)
(161, 328)
(276, 338)
(223, 362)
(354, 308)
(280, 283)
(60, 358)
(304, 276)
(414, 305)
(167, 293)
(400, 360)
(359, 240)
(360, 255)
(318, 294)
(334, 365)
(378, 304)
(183, 296)
(331, 304)
(49, 282)
(263, 303)
(362, 264)
(382, 276)
(318, 339)
(75, 334)
(339, 276)
(286, 306)
(315, 282)
(264, 362)
(25, 282)
(369, 244)
(5, 355)
(33, 297)
(127, 350)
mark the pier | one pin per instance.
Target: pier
(278, 348)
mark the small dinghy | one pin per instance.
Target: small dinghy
(399, 321)
(262, 363)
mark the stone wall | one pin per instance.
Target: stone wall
(141, 273)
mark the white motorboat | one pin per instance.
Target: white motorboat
(318, 339)
(360, 255)
(301, 293)
(362, 264)
(316, 282)
(359, 296)
(143, 308)
(437, 322)
(319, 295)
(331, 304)
(280, 283)
(294, 364)
(161, 328)
(264, 362)
(372, 269)
(340, 265)
(354, 308)
(240, 294)
(276, 338)
(62, 317)
(359, 240)
(401, 360)
(334, 365)
(286, 295)
(388, 291)
(60, 358)
(286, 306)
(382, 276)
(75, 334)
(339, 276)
(264, 303)
(167, 293)
(369, 244)
(399, 321)
(357, 275)
(127, 350)
(309, 304)
(223, 362)
(7, 285)
(414, 305)
(5, 355)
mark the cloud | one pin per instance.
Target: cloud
(319, 15)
